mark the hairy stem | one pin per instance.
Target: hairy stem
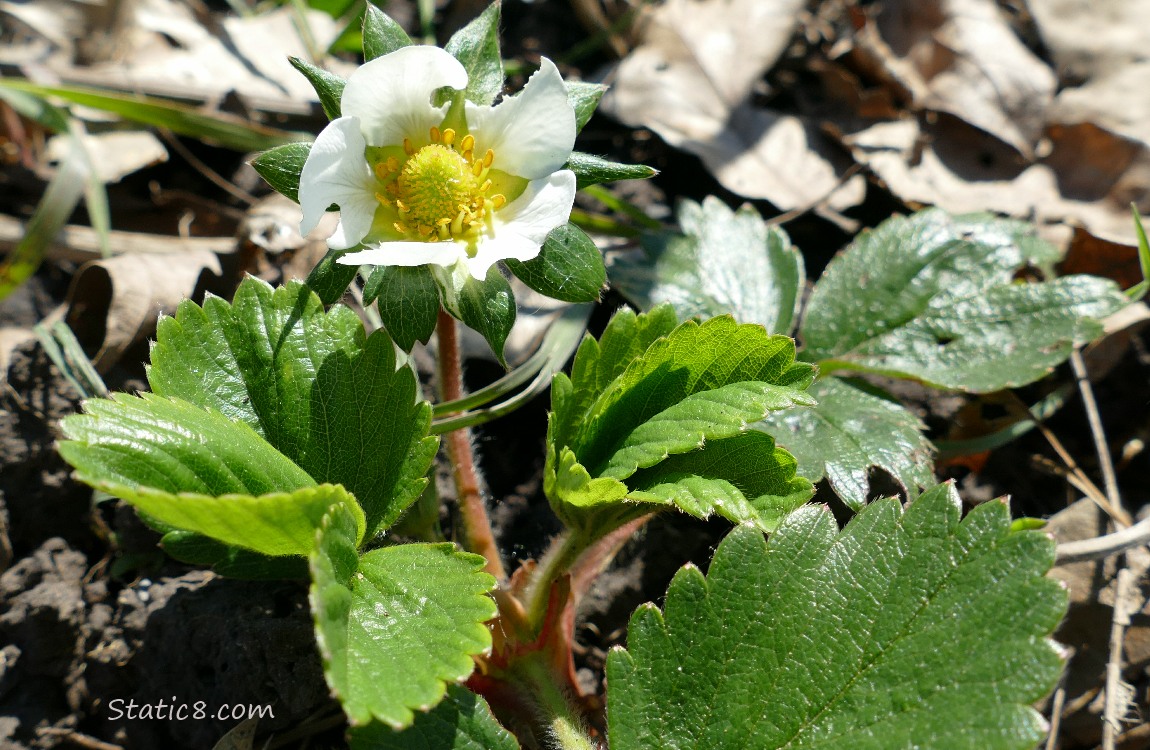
(562, 721)
(477, 533)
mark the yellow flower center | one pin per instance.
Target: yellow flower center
(440, 190)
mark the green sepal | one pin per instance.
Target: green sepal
(488, 307)
(328, 86)
(329, 279)
(381, 34)
(476, 46)
(408, 301)
(569, 267)
(593, 170)
(281, 166)
(584, 99)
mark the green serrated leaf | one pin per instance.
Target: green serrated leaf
(932, 297)
(461, 721)
(308, 382)
(396, 624)
(723, 262)
(408, 301)
(281, 167)
(173, 446)
(381, 34)
(330, 279)
(902, 629)
(656, 416)
(584, 99)
(275, 524)
(850, 430)
(476, 46)
(488, 307)
(230, 561)
(594, 170)
(569, 267)
(328, 86)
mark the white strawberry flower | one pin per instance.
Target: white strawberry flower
(418, 183)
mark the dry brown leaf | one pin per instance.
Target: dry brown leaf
(113, 303)
(690, 80)
(115, 154)
(961, 57)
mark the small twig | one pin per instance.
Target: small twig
(1102, 547)
(1056, 705)
(1101, 446)
(213, 176)
(1079, 481)
(1118, 693)
(78, 739)
(795, 213)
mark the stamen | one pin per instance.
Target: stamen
(498, 201)
(433, 238)
(467, 144)
(448, 136)
(489, 158)
(477, 168)
(400, 228)
(485, 186)
(468, 154)
(381, 171)
(435, 134)
(400, 205)
(407, 147)
(423, 230)
(382, 199)
(392, 164)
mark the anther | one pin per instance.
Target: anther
(382, 199)
(485, 186)
(477, 168)
(448, 136)
(400, 228)
(407, 147)
(488, 158)
(392, 164)
(467, 144)
(401, 206)
(423, 230)
(498, 201)
(468, 154)
(381, 171)
(435, 134)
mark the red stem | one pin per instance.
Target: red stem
(477, 533)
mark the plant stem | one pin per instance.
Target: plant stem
(477, 533)
(560, 556)
(564, 723)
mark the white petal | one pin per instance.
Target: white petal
(406, 254)
(506, 244)
(392, 94)
(337, 172)
(544, 205)
(532, 132)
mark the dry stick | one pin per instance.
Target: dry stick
(1117, 692)
(79, 739)
(1056, 714)
(476, 524)
(1101, 547)
(1101, 446)
(215, 177)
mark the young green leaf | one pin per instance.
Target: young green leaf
(397, 623)
(902, 629)
(488, 307)
(850, 430)
(656, 414)
(476, 45)
(328, 86)
(593, 170)
(281, 167)
(723, 262)
(275, 524)
(381, 34)
(584, 98)
(231, 561)
(569, 267)
(329, 279)
(408, 301)
(173, 446)
(461, 721)
(308, 382)
(933, 298)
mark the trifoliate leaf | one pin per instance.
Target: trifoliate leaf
(281, 167)
(328, 86)
(850, 430)
(396, 624)
(408, 301)
(173, 446)
(381, 34)
(476, 46)
(723, 262)
(656, 416)
(569, 267)
(584, 99)
(488, 307)
(933, 298)
(309, 383)
(908, 629)
(593, 170)
(461, 721)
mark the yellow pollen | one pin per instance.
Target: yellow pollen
(498, 201)
(467, 144)
(407, 147)
(485, 186)
(381, 171)
(448, 136)
(392, 165)
(477, 168)
(382, 199)
(400, 228)
(402, 208)
(435, 134)
(488, 159)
